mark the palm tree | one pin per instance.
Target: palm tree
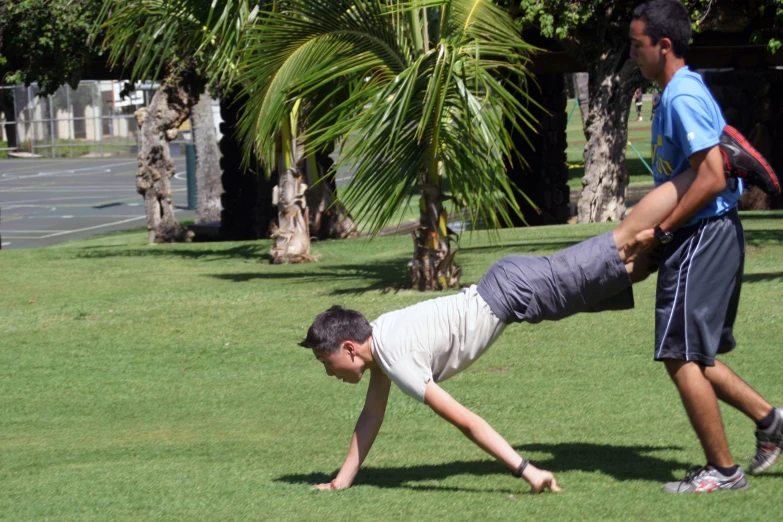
(417, 92)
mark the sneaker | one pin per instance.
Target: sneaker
(768, 446)
(707, 479)
(740, 159)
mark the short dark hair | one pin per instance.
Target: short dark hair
(666, 19)
(335, 326)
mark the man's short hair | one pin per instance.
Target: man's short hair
(666, 19)
(335, 326)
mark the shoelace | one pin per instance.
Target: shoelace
(691, 472)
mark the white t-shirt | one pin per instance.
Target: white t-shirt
(434, 339)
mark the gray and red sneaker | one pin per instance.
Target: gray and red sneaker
(769, 444)
(706, 480)
(740, 159)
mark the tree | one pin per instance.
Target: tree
(418, 94)
(596, 34)
(164, 40)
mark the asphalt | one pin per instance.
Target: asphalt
(48, 201)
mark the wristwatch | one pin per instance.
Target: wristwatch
(662, 236)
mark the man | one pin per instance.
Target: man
(703, 249)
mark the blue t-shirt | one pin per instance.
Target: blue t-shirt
(689, 120)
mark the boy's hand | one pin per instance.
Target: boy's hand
(330, 485)
(540, 480)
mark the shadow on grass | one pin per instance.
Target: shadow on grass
(526, 247)
(258, 252)
(760, 237)
(619, 462)
(386, 276)
(763, 277)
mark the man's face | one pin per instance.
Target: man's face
(344, 364)
(648, 57)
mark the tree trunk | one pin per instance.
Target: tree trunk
(292, 235)
(328, 219)
(208, 183)
(613, 81)
(582, 91)
(159, 124)
(545, 177)
(433, 266)
(248, 211)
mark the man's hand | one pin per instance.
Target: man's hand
(540, 480)
(645, 242)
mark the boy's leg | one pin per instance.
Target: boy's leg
(741, 160)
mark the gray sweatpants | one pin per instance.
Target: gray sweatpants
(587, 277)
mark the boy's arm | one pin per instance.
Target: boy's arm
(481, 433)
(709, 182)
(366, 430)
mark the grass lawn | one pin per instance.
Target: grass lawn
(638, 135)
(163, 383)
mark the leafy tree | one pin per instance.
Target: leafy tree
(417, 92)
(596, 34)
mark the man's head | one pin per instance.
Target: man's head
(660, 32)
(338, 339)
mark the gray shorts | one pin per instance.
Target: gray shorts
(699, 283)
(587, 277)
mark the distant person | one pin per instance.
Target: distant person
(638, 97)
(656, 99)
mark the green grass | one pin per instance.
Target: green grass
(146, 382)
(638, 135)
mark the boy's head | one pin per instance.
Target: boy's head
(658, 28)
(336, 337)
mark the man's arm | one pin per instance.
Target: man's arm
(709, 182)
(366, 430)
(481, 433)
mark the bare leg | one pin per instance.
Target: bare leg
(653, 208)
(701, 404)
(732, 390)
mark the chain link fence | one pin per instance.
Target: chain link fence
(94, 120)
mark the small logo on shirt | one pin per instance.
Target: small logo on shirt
(691, 136)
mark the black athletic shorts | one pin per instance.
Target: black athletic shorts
(699, 282)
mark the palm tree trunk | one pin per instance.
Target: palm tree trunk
(291, 237)
(582, 91)
(209, 187)
(159, 124)
(328, 219)
(433, 266)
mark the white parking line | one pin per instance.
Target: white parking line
(5, 243)
(93, 228)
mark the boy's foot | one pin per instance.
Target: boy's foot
(769, 444)
(707, 479)
(740, 159)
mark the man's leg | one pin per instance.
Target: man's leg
(732, 390)
(701, 404)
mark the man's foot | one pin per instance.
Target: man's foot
(707, 479)
(740, 159)
(768, 445)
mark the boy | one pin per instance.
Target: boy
(418, 346)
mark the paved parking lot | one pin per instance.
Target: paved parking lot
(43, 202)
